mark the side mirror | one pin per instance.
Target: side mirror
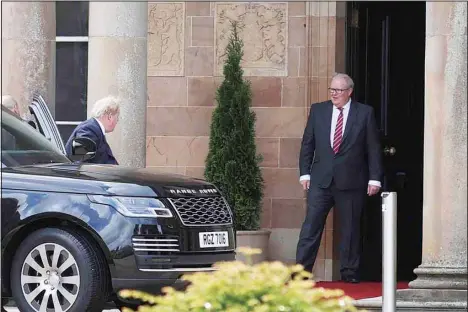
(83, 148)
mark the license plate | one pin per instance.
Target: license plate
(213, 239)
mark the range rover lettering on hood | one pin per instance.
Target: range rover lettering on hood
(182, 191)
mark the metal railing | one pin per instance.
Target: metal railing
(389, 224)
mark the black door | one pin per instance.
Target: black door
(385, 57)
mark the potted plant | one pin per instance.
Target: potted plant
(232, 163)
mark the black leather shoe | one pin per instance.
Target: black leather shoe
(351, 280)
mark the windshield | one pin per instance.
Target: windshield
(22, 145)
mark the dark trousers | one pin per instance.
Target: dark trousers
(348, 205)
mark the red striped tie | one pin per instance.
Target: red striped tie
(338, 132)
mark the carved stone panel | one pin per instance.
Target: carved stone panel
(166, 24)
(263, 29)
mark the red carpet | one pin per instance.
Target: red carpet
(360, 291)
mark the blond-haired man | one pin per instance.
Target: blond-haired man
(105, 115)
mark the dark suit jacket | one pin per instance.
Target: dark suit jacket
(359, 158)
(91, 129)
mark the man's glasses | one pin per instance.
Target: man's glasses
(336, 91)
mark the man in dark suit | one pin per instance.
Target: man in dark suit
(105, 117)
(340, 161)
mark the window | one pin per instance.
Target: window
(72, 18)
(71, 81)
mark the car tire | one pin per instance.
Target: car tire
(75, 276)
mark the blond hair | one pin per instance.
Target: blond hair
(109, 105)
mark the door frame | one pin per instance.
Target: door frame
(357, 52)
(45, 122)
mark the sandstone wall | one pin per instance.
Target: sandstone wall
(291, 50)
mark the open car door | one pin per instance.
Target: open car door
(45, 124)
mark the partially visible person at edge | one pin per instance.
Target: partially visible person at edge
(105, 116)
(9, 102)
(7, 139)
(340, 162)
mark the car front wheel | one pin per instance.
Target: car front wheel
(58, 270)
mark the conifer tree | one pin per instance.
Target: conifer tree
(232, 163)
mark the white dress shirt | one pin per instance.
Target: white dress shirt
(336, 113)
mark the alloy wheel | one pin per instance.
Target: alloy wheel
(50, 278)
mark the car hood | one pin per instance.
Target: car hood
(105, 180)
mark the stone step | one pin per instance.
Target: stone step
(420, 300)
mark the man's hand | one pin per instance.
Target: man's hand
(305, 184)
(372, 190)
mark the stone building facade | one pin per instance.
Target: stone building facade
(165, 60)
(290, 55)
(288, 68)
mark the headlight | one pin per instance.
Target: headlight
(134, 206)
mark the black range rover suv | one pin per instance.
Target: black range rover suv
(74, 234)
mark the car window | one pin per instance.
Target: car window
(22, 145)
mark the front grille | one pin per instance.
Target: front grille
(155, 244)
(199, 211)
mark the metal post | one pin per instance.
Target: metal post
(389, 223)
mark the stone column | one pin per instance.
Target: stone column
(28, 52)
(118, 66)
(441, 284)
(445, 150)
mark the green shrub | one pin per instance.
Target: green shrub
(232, 163)
(242, 287)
